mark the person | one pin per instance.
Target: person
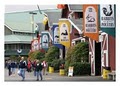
(29, 65)
(9, 67)
(44, 63)
(13, 67)
(34, 67)
(38, 70)
(22, 68)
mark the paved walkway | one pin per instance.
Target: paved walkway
(51, 77)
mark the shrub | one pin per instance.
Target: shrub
(52, 53)
(81, 68)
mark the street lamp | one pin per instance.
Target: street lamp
(32, 22)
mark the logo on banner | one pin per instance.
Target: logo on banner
(90, 20)
(45, 41)
(56, 35)
(64, 32)
(107, 16)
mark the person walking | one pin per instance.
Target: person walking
(9, 67)
(44, 63)
(13, 65)
(39, 70)
(22, 68)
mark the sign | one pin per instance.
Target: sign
(64, 32)
(44, 40)
(35, 45)
(107, 18)
(55, 30)
(70, 72)
(90, 21)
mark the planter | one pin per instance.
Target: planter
(51, 69)
(62, 72)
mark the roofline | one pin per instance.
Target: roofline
(17, 30)
(15, 42)
(8, 27)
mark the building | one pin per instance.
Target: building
(19, 31)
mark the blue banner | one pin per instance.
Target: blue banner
(45, 40)
(55, 30)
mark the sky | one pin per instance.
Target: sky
(20, 8)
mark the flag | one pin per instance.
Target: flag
(55, 30)
(107, 18)
(90, 21)
(44, 40)
(64, 32)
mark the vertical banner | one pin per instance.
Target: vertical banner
(64, 31)
(90, 21)
(44, 40)
(35, 45)
(55, 30)
(107, 18)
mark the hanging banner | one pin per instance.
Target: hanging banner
(90, 21)
(35, 45)
(44, 40)
(64, 31)
(107, 18)
(55, 30)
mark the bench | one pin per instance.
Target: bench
(112, 75)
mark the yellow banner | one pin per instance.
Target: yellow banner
(64, 31)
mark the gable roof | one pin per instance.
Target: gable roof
(21, 21)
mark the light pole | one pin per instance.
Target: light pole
(32, 22)
(19, 51)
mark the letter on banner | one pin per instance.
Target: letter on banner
(90, 21)
(45, 40)
(64, 28)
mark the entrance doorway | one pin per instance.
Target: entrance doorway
(97, 58)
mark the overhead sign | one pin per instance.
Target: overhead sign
(55, 30)
(107, 18)
(35, 45)
(64, 31)
(44, 40)
(90, 21)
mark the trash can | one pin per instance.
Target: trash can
(106, 70)
(61, 72)
(51, 69)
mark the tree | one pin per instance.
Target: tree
(52, 53)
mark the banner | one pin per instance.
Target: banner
(90, 21)
(64, 31)
(107, 18)
(35, 45)
(44, 40)
(55, 30)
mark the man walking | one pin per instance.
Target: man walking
(22, 68)
(38, 70)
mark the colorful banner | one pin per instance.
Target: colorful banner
(107, 18)
(90, 21)
(64, 31)
(55, 30)
(35, 45)
(44, 40)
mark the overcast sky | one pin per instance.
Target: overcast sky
(20, 8)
